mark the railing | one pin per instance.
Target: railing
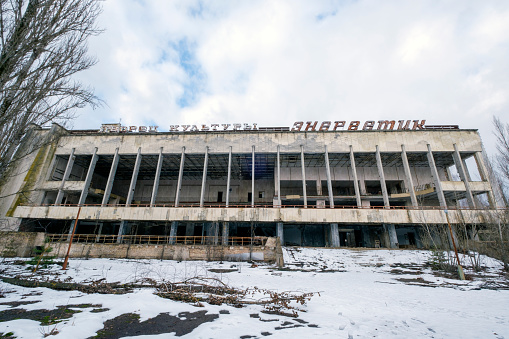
(158, 239)
(219, 205)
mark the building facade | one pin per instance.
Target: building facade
(354, 188)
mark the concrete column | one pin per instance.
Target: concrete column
(393, 236)
(465, 167)
(253, 176)
(134, 178)
(458, 162)
(278, 180)
(156, 179)
(329, 182)
(68, 169)
(280, 233)
(215, 234)
(228, 180)
(355, 179)
(88, 179)
(111, 178)
(362, 186)
(204, 179)
(121, 230)
(99, 232)
(318, 186)
(181, 173)
(449, 174)
(483, 172)
(408, 176)
(71, 228)
(226, 233)
(173, 232)
(382, 177)
(302, 164)
(436, 178)
(334, 235)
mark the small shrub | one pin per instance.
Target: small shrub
(41, 259)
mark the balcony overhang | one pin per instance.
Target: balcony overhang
(352, 216)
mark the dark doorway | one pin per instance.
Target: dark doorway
(249, 197)
(359, 241)
(411, 238)
(219, 196)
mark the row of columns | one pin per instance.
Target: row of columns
(458, 161)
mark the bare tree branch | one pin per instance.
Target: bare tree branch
(43, 44)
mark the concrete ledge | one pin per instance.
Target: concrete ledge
(69, 186)
(290, 215)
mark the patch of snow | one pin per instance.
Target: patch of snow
(363, 293)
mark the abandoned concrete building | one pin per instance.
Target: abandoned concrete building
(352, 188)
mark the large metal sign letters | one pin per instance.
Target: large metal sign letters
(356, 125)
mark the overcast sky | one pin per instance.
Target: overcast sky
(276, 62)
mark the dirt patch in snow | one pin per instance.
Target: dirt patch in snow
(129, 324)
(45, 317)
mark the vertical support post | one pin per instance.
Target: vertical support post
(156, 179)
(173, 232)
(483, 172)
(302, 164)
(465, 167)
(111, 178)
(226, 231)
(121, 229)
(382, 177)
(408, 175)
(134, 178)
(480, 166)
(99, 232)
(88, 179)
(67, 172)
(334, 235)
(329, 181)
(228, 180)
(463, 176)
(204, 179)
(355, 179)
(280, 233)
(393, 236)
(279, 181)
(181, 172)
(253, 176)
(215, 232)
(436, 178)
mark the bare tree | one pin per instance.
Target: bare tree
(502, 158)
(43, 44)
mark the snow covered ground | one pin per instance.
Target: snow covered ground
(362, 293)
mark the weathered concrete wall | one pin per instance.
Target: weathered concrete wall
(267, 253)
(22, 244)
(19, 244)
(295, 215)
(220, 142)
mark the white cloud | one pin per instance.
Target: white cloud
(275, 62)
